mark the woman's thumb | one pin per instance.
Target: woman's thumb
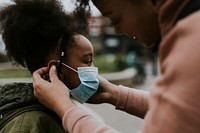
(53, 73)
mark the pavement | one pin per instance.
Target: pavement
(11, 80)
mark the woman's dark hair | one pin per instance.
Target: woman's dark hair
(31, 29)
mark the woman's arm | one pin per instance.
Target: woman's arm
(127, 99)
(52, 92)
(132, 101)
(77, 120)
(55, 95)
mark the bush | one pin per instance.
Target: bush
(106, 65)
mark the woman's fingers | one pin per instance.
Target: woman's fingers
(38, 80)
(53, 74)
(38, 74)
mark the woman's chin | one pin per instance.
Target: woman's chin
(146, 44)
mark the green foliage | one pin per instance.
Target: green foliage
(120, 62)
(106, 65)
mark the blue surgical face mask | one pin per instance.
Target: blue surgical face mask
(89, 83)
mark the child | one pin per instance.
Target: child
(37, 33)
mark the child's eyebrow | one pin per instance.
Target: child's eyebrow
(88, 54)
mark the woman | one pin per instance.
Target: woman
(173, 105)
(37, 33)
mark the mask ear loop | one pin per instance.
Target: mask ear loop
(60, 63)
(67, 66)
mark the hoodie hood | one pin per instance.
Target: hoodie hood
(168, 12)
(15, 95)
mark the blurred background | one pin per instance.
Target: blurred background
(120, 59)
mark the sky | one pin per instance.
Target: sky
(2, 47)
(68, 4)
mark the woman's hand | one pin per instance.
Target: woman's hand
(51, 92)
(107, 93)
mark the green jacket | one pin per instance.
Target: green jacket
(20, 112)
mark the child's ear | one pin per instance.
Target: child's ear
(53, 62)
(59, 70)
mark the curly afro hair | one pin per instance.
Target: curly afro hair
(31, 29)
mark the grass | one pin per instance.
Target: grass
(11, 73)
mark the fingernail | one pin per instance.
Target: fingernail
(53, 67)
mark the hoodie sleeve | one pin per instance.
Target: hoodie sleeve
(77, 120)
(132, 101)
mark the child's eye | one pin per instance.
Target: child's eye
(89, 62)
